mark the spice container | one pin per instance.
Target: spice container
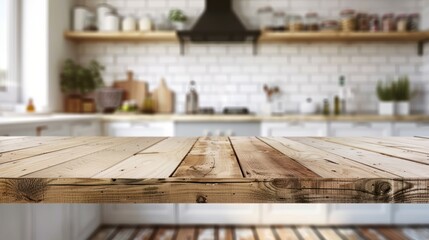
(388, 22)
(145, 24)
(362, 21)
(326, 107)
(266, 17)
(402, 23)
(296, 24)
(348, 20)
(374, 23)
(330, 26)
(279, 21)
(312, 21)
(414, 22)
(129, 24)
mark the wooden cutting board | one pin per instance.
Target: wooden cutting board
(134, 89)
(163, 98)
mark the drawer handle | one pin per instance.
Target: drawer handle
(40, 129)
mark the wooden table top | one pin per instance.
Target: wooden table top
(214, 170)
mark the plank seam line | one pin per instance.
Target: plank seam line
(236, 157)
(183, 159)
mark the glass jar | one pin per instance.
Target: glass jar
(374, 23)
(414, 22)
(402, 23)
(388, 22)
(266, 18)
(348, 20)
(279, 21)
(296, 24)
(330, 26)
(312, 21)
(362, 20)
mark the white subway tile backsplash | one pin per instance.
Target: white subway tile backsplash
(229, 74)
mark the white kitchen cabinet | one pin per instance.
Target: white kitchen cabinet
(294, 213)
(85, 128)
(139, 129)
(139, 214)
(343, 214)
(219, 214)
(18, 131)
(198, 129)
(53, 129)
(360, 129)
(410, 129)
(294, 129)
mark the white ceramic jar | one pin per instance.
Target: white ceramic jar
(129, 24)
(111, 23)
(103, 9)
(145, 24)
(80, 18)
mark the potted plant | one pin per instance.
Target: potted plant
(402, 96)
(178, 19)
(385, 93)
(77, 82)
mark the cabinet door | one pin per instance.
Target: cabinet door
(359, 214)
(53, 130)
(410, 129)
(89, 128)
(18, 131)
(140, 129)
(139, 214)
(294, 129)
(219, 214)
(367, 129)
(294, 213)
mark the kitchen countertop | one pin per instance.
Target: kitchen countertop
(214, 170)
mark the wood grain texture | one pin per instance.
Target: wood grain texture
(210, 158)
(22, 143)
(259, 160)
(165, 233)
(186, 233)
(144, 234)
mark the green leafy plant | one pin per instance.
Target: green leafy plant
(386, 91)
(76, 79)
(402, 89)
(177, 15)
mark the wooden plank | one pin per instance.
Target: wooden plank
(124, 234)
(165, 233)
(92, 164)
(393, 165)
(349, 234)
(156, 36)
(416, 233)
(408, 140)
(104, 233)
(186, 233)
(371, 233)
(307, 233)
(286, 233)
(395, 144)
(29, 142)
(207, 233)
(158, 161)
(225, 233)
(328, 233)
(144, 234)
(294, 190)
(29, 165)
(324, 163)
(392, 233)
(388, 151)
(210, 158)
(242, 233)
(259, 160)
(47, 147)
(265, 233)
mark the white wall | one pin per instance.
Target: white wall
(230, 75)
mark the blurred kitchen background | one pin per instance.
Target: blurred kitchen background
(117, 68)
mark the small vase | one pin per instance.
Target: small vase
(179, 26)
(386, 108)
(73, 103)
(403, 108)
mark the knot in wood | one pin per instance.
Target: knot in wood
(201, 199)
(382, 188)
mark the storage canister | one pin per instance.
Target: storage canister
(102, 10)
(129, 24)
(348, 20)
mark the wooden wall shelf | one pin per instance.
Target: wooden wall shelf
(267, 37)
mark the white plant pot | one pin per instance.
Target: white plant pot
(403, 108)
(386, 108)
(179, 26)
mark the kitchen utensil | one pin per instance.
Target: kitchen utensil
(164, 98)
(111, 23)
(80, 18)
(129, 24)
(102, 10)
(108, 99)
(192, 99)
(145, 24)
(133, 90)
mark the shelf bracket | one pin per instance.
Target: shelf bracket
(421, 48)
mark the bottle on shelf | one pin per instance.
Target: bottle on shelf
(30, 106)
(342, 95)
(192, 99)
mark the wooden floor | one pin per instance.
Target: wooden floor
(260, 233)
(214, 170)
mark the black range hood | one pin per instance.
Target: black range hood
(219, 23)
